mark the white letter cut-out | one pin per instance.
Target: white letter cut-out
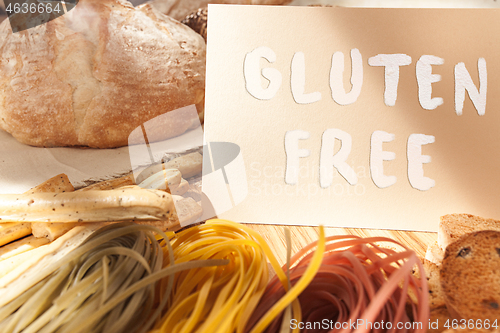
(298, 81)
(339, 94)
(252, 74)
(416, 161)
(391, 62)
(464, 82)
(425, 79)
(328, 160)
(377, 158)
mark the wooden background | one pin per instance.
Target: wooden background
(301, 236)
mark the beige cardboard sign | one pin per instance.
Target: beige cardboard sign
(376, 118)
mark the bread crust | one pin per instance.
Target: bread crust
(90, 77)
(454, 226)
(470, 276)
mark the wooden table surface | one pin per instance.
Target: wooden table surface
(301, 236)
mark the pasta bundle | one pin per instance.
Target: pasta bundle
(216, 299)
(107, 284)
(358, 282)
(222, 299)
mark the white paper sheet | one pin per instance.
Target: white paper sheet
(23, 167)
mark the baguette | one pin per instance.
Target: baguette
(51, 231)
(56, 184)
(188, 165)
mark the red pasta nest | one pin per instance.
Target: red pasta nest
(360, 287)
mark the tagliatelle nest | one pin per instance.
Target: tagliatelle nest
(357, 282)
(107, 284)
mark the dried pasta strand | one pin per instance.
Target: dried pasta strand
(285, 324)
(295, 291)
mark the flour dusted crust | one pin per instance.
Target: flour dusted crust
(179, 9)
(93, 75)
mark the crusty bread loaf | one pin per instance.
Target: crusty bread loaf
(91, 76)
(470, 276)
(179, 9)
(454, 226)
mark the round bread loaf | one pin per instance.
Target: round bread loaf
(470, 276)
(179, 9)
(93, 75)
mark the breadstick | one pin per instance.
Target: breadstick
(51, 231)
(187, 210)
(23, 245)
(111, 184)
(10, 232)
(189, 165)
(180, 189)
(57, 184)
(13, 269)
(131, 203)
(162, 180)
